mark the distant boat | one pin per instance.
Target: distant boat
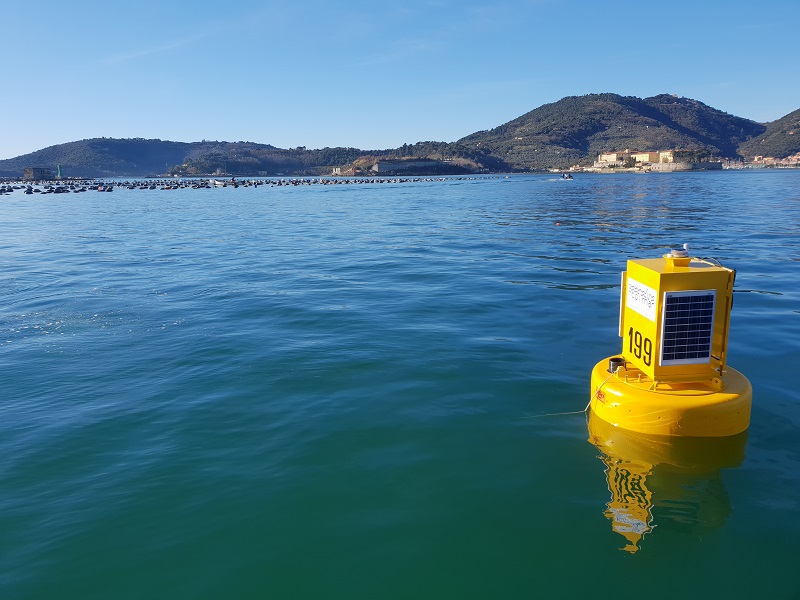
(218, 183)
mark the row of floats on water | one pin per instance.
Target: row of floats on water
(40, 188)
(78, 186)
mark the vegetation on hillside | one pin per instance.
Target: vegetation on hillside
(572, 131)
(248, 158)
(101, 157)
(576, 129)
(781, 139)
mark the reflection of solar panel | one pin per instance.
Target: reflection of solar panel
(688, 327)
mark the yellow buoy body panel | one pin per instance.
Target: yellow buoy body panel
(633, 401)
(674, 319)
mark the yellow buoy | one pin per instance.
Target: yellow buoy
(671, 377)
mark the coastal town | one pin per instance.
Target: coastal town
(666, 161)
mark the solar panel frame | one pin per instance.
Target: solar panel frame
(687, 327)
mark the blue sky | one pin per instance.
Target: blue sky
(371, 75)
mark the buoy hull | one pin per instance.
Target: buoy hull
(629, 400)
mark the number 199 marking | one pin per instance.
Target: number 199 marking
(640, 346)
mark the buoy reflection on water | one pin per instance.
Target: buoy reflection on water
(664, 480)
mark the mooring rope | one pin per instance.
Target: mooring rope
(578, 412)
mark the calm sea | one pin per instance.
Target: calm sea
(337, 392)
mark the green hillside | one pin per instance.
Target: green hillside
(572, 131)
(101, 157)
(576, 129)
(781, 139)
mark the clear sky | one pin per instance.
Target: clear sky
(371, 74)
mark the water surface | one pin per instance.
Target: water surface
(335, 391)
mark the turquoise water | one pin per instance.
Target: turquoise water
(335, 391)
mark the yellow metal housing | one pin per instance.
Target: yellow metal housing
(647, 286)
(671, 377)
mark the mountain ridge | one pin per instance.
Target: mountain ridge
(570, 131)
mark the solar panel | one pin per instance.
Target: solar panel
(688, 327)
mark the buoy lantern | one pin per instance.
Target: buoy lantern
(671, 377)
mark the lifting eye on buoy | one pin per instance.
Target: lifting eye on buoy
(614, 363)
(671, 377)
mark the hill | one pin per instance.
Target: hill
(107, 157)
(101, 157)
(576, 129)
(781, 139)
(572, 131)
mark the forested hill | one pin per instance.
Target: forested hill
(781, 139)
(572, 131)
(108, 157)
(578, 128)
(101, 157)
